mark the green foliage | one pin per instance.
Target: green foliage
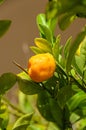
(73, 48)
(1, 1)
(65, 11)
(61, 100)
(49, 108)
(7, 80)
(23, 122)
(4, 25)
(29, 87)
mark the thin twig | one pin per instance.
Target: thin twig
(19, 66)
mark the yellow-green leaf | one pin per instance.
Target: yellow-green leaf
(43, 44)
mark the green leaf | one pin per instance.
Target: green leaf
(52, 24)
(56, 112)
(66, 47)
(81, 124)
(65, 20)
(49, 108)
(56, 49)
(75, 101)
(74, 117)
(23, 122)
(43, 44)
(37, 126)
(64, 94)
(46, 32)
(7, 80)
(36, 50)
(29, 87)
(24, 102)
(4, 25)
(4, 119)
(23, 75)
(44, 27)
(79, 62)
(41, 19)
(1, 1)
(52, 126)
(73, 48)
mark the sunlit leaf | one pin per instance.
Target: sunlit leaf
(74, 102)
(23, 75)
(37, 127)
(41, 19)
(23, 122)
(81, 124)
(74, 117)
(43, 44)
(79, 61)
(24, 102)
(52, 24)
(73, 48)
(36, 50)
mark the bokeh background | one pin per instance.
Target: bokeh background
(14, 45)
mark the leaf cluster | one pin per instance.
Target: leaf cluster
(62, 98)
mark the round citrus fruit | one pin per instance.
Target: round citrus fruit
(41, 67)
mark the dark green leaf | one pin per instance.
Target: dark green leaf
(44, 106)
(49, 108)
(4, 25)
(1, 1)
(29, 87)
(65, 20)
(23, 122)
(7, 80)
(56, 112)
(64, 94)
(51, 85)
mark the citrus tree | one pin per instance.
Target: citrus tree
(55, 77)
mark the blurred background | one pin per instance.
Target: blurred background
(14, 45)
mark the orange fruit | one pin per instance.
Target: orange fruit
(41, 67)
